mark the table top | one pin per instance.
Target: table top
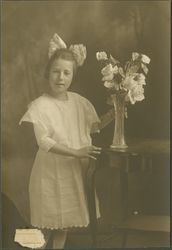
(142, 146)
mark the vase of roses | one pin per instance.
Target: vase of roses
(124, 85)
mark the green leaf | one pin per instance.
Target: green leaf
(114, 61)
(127, 64)
(121, 72)
(133, 69)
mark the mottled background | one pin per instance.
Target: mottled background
(118, 27)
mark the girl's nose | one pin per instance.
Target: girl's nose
(61, 75)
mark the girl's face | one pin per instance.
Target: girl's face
(60, 76)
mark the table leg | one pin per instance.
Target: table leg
(124, 186)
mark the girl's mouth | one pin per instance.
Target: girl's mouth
(60, 84)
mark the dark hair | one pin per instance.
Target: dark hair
(65, 54)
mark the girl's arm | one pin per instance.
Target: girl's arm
(63, 150)
(85, 152)
(46, 143)
(105, 120)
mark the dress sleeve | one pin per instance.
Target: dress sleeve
(41, 131)
(32, 115)
(43, 138)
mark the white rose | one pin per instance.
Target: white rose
(101, 56)
(141, 79)
(107, 70)
(145, 59)
(108, 77)
(135, 56)
(109, 84)
(136, 94)
(115, 69)
(129, 82)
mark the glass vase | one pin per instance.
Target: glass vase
(119, 109)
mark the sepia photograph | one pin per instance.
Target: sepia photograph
(85, 124)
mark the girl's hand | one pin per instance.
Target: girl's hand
(88, 152)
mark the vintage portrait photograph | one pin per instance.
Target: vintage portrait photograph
(85, 124)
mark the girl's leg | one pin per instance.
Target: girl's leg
(59, 239)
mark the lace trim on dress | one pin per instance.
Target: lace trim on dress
(60, 228)
(63, 228)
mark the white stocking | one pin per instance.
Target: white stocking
(59, 239)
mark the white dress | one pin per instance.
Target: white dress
(57, 195)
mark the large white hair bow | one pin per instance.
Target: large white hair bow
(78, 50)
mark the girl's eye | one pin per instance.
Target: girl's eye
(67, 73)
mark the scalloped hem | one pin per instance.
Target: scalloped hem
(60, 228)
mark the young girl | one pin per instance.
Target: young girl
(62, 122)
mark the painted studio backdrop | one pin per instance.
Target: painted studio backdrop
(117, 27)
